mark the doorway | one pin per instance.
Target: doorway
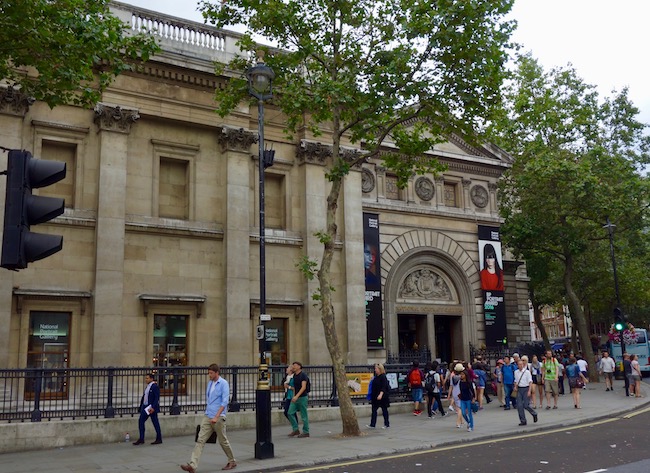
(448, 338)
(412, 333)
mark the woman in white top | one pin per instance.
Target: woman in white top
(635, 377)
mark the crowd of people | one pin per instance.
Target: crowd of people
(527, 385)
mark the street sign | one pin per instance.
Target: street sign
(265, 317)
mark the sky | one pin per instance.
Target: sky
(603, 40)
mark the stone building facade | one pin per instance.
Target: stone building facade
(161, 237)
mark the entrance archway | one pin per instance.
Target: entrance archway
(429, 289)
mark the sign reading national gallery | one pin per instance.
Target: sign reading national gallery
(374, 320)
(490, 256)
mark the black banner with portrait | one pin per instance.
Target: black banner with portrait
(491, 265)
(374, 319)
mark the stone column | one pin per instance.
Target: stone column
(431, 334)
(313, 157)
(466, 199)
(15, 104)
(114, 124)
(236, 149)
(494, 209)
(440, 191)
(354, 274)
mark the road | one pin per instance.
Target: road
(612, 445)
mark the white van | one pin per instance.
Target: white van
(641, 348)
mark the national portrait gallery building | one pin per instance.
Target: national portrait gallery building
(160, 259)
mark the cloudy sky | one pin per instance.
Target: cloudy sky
(603, 40)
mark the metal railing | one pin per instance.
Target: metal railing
(36, 394)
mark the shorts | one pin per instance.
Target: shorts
(416, 393)
(609, 376)
(634, 377)
(551, 386)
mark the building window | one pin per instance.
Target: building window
(169, 350)
(450, 195)
(173, 196)
(392, 191)
(274, 201)
(65, 153)
(49, 346)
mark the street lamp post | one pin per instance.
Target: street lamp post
(260, 78)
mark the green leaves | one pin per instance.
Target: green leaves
(366, 67)
(66, 51)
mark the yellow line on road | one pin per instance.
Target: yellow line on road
(514, 436)
(636, 413)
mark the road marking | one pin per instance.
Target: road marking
(636, 413)
(506, 438)
(596, 471)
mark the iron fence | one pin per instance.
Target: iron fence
(36, 394)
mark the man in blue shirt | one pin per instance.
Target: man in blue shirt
(508, 371)
(217, 396)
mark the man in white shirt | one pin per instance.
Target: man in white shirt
(523, 380)
(607, 367)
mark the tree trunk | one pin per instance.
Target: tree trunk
(348, 415)
(578, 318)
(537, 315)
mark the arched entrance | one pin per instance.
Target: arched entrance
(429, 298)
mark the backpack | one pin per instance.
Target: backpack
(430, 382)
(415, 378)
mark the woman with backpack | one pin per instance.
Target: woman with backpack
(433, 384)
(379, 392)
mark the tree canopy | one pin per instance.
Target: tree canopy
(65, 51)
(364, 72)
(577, 163)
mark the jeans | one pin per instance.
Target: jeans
(466, 410)
(300, 405)
(507, 388)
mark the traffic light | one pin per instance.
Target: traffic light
(22, 209)
(619, 320)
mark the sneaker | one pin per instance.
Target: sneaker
(607, 389)
(535, 418)
(386, 427)
(370, 426)
(417, 413)
(469, 429)
(451, 408)
(458, 426)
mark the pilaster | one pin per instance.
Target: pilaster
(15, 104)
(114, 125)
(354, 275)
(313, 157)
(235, 145)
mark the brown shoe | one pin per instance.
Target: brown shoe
(188, 467)
(295, 433)
(303, 435)
(230, 466)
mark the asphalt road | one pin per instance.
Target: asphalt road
(612, 445)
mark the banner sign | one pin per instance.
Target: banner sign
(374, 319)
(491, 264)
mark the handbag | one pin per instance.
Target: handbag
(513, 394)
(212, 439)
(580, 383)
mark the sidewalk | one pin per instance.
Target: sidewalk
(407, 433)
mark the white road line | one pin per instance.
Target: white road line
(597, 471)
